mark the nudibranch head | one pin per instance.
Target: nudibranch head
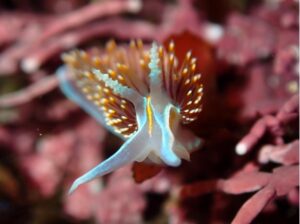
(140, 94)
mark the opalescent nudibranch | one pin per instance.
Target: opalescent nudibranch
(142, 95)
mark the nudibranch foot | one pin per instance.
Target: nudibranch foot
(140, 95)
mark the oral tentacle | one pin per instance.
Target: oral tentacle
(181, 151)
(154, 158)
(188, 139)
(143, 155)
(128, 153)
(166, 151)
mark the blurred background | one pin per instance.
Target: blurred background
(247, 167)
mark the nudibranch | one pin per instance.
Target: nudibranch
(142, 95)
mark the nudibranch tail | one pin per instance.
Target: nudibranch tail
(129, 152)
(139, 94)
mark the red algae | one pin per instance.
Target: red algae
(246, 169)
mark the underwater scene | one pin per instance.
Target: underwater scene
(149, 112)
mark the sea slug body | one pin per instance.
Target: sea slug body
(142, 95)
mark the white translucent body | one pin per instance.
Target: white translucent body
(154, 139)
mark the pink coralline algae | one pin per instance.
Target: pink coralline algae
(116, 206)
(237, 46)
(282, 181)
(246, 169)
(274, 41)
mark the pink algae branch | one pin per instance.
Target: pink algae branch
(43, 30)
(287, 154)
(71, 39)
(282, 181)
(270, 124)
(87, 14)
(27, 94)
